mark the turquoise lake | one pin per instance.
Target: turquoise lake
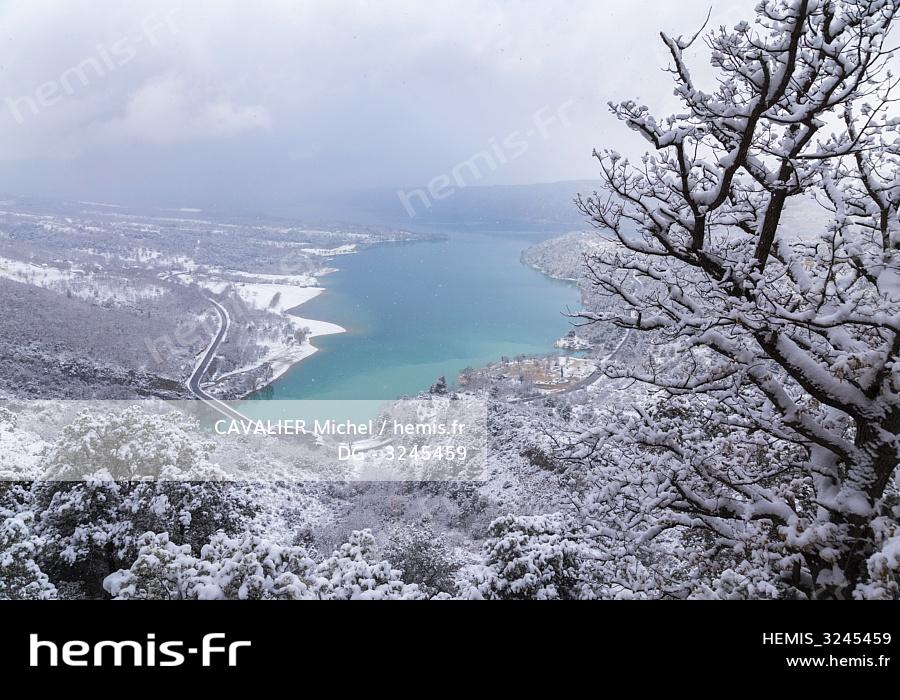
(417, 311)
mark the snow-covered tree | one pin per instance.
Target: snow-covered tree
(777, 449)
(883, 566)
(21, 577)
(353, 572)
(115, 477)
(252, 568)
(440, 387)
(128, 446)
(20, 455)
(423, 557)
(249, 567)
(531, 558)
(161, 571)
(229, 568)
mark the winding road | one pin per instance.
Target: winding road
(200, 370)
(590, 380)
(599, 373)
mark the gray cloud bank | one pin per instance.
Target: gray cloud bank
(215, 102)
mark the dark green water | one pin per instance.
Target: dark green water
(417, 311)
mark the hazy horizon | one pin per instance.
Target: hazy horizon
(214, 105)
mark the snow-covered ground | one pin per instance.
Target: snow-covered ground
(20, 453)
(276, 293)
(275, 297)
(326, 252)
(290, 280)
(111, 290)
(125, 290)
(280, 294)
(38, 275)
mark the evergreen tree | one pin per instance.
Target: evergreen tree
(440, 387)
(21, 577)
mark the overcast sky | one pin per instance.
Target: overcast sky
(215, 102)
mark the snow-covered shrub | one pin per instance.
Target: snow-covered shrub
(251, 568)
(190, 510)
(353, 572)
(161, 571)
(14, 497)
(229, 568)
(883, 566)
(423, 557)
(8, 420)
(541, 458)
(531, 558)
(20, 450)
(85, 530)
(122, 475)
(20, 576)
(743, 582)
(128, 446)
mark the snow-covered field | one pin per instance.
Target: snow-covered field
(39, 275)
(111, 290)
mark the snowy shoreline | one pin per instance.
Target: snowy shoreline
(282, 358)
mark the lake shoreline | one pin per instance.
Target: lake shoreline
(422, 312)
(283, 359)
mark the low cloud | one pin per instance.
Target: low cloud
(168, 110)
(284, 97)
